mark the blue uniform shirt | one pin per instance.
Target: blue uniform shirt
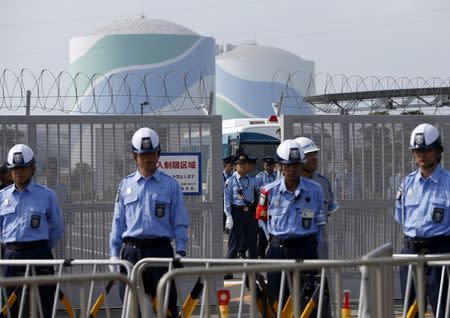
(423, 205)
(30, 215)
(295, 214)
(330, 204)
(231, 195)
(225, 177)
(264, 178)
(149, 208)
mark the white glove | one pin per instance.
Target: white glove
(113, 267)
(229, 223)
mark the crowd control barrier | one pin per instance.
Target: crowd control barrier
(377, 290)
(88, 299)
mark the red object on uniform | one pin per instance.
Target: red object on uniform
(346, 304)
(261, 209)
(223, 296)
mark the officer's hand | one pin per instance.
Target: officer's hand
(113, 267)
(229, 223)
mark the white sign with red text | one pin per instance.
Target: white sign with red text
(185, 167)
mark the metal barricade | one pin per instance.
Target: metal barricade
(376, 267)
(36, 281)
(88, 304)
(381, 288)
(195, 281)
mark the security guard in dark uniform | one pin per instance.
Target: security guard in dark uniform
(423, 210)
(239, 196)
(149, 213)
(263, 178)
(292, 211)
(31, 222)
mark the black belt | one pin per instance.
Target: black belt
(244, 208)
(147, 243)
(293, 242)
(424, 244)
(26, 245)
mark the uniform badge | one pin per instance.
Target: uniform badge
(18, 157)
(307, 217)
(419, 139)
(6, 202)
(160, 209)
(146, 143)
(129, 190)
(294, 154)
(410, 192)
(35, 221)
(438, 214)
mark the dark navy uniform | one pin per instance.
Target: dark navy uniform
(423, 210)
(239, 198)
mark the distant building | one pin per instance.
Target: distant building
(250, 78)
(166, 57)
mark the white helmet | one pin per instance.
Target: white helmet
(307, 144)
(20, 156)
(145, 140)
(425, 136)
(289, 152)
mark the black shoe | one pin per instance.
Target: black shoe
(228, 276)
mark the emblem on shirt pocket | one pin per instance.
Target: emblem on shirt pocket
(160, 209)
(438, 214)
(35, 221)
(307, 217)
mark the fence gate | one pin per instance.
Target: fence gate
(83, 158)
(366, 159)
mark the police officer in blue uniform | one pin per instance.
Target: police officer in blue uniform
(266, 176)
(31, 222)
(226, 173)
(293, 213)
(423, 209)
(239, 196)
(149, 213)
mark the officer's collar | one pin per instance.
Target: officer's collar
(138, 176)
(300, 187)
(238, 176)
(28, 188)
(435, 175)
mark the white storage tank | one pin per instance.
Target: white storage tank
(164, 67)
(250, 78)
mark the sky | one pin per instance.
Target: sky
(353, 37)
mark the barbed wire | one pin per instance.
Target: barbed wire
(98, 94)
(192, 91)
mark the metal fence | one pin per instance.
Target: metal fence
(365, 158)
(83, 158)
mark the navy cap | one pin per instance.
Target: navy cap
(252, 159)
(269, 160)
(228, 159)
(241, 158)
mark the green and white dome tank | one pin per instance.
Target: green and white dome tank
(136, 63)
